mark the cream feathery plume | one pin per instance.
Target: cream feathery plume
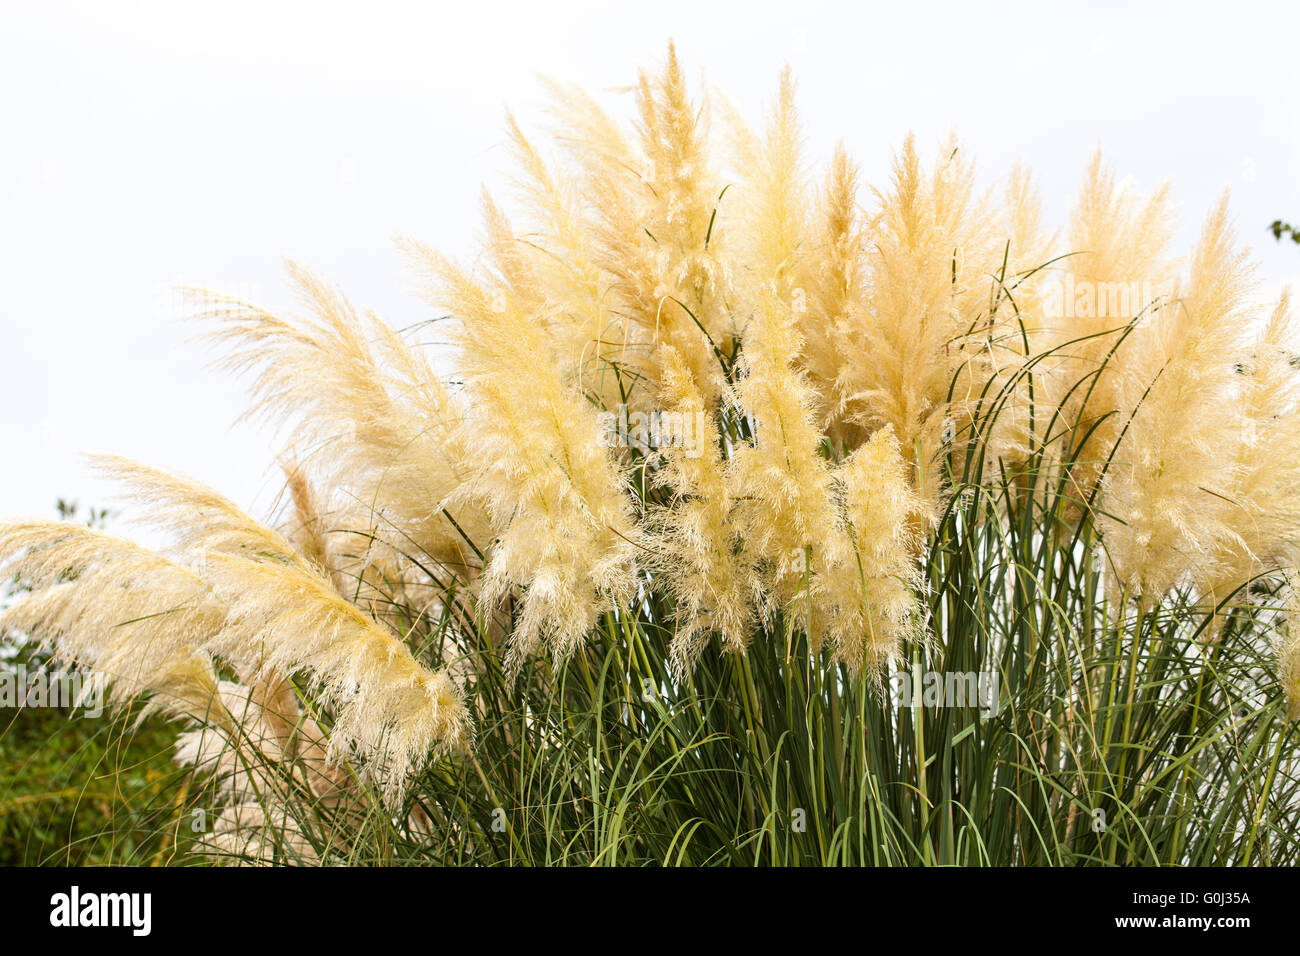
(684, 194)
(1262, 501)
(562, 517)
(786, 515)
(1024, 396)
(366, 413)
(609, 173)
(584, 340)
(136, 619)
(243, 758)
(284, 616)
(559, 219)
(257, 834)
(836, 281)
(696, 546)
(1118, 272)
(924, 331)
(869, 593)
(248, 769)
(1171, 476)
(390, 711)
(308, 532)
(145, 625)
(266, 745)
(772, 226)
(657, 225)
(365, 565)
(198, 519)
(553, 265)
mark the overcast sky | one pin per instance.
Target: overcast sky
(146, 144)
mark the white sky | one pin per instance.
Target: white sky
(150, 143)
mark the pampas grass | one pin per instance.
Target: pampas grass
(483, 632)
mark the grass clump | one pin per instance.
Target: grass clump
(743, 524)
